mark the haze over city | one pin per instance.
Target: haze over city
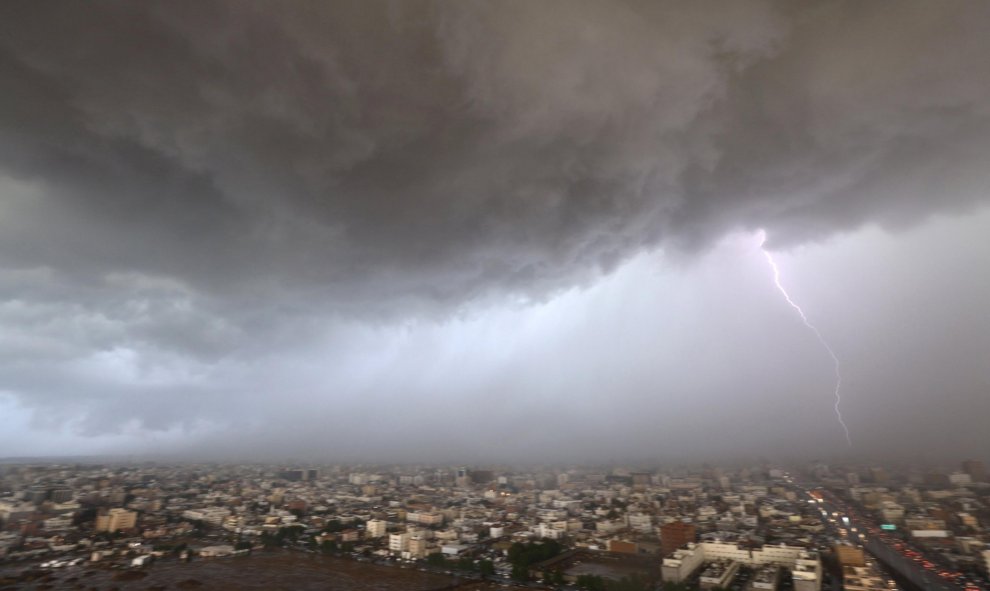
(484, 232)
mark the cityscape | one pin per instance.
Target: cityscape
(756, 526)
(492, 295)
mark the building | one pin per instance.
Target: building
(398, 543)
(417, 547)
(61, 495)
(425, 517)
(682, 563)
(675, 535)
(623, 547)
(892, 512)
(481, 476)
(850, 555)
(116, 520)
(861, 578)
(976, 469)
(12, 511)
(376, 528)
(766, 578)
(960, 479)
(805, 565)
(214, 516)
(718, 574)
(216, 551)
(641, 522)
(641, 480)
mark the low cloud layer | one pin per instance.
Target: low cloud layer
(195, 187)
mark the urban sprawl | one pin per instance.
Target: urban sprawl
(761, 527)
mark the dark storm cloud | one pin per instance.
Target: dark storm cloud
(442, 150)
(190, 188)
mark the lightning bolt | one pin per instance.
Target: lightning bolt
(814, 329)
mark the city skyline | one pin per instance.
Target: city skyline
(493, 232)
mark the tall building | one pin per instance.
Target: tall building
(398, 543)
(376, 528)
(674, 535)
(976, 469)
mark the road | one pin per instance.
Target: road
(856, 529)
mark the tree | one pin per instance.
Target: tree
(522, 556)
(436, 559)
(334, 526)
(486, 568)
(520, 572)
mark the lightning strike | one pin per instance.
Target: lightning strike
(814, 329)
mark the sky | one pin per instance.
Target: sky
(481, 232)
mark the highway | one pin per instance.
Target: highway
(847, 524)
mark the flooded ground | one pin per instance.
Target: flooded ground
(277, 570)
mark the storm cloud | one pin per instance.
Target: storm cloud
(189, 189)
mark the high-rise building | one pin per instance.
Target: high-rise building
(674, 535)
(976, 469)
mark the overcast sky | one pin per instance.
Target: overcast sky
(491, 231)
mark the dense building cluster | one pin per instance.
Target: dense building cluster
(748, 526)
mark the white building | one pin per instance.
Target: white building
(804, 565)
(398, 543)
(376, 528)
(718, 574)
(211, 515)
(58, 523)
(548, 531)
(425, 517)
(640, 522)
(215, 551)
(452, 549)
